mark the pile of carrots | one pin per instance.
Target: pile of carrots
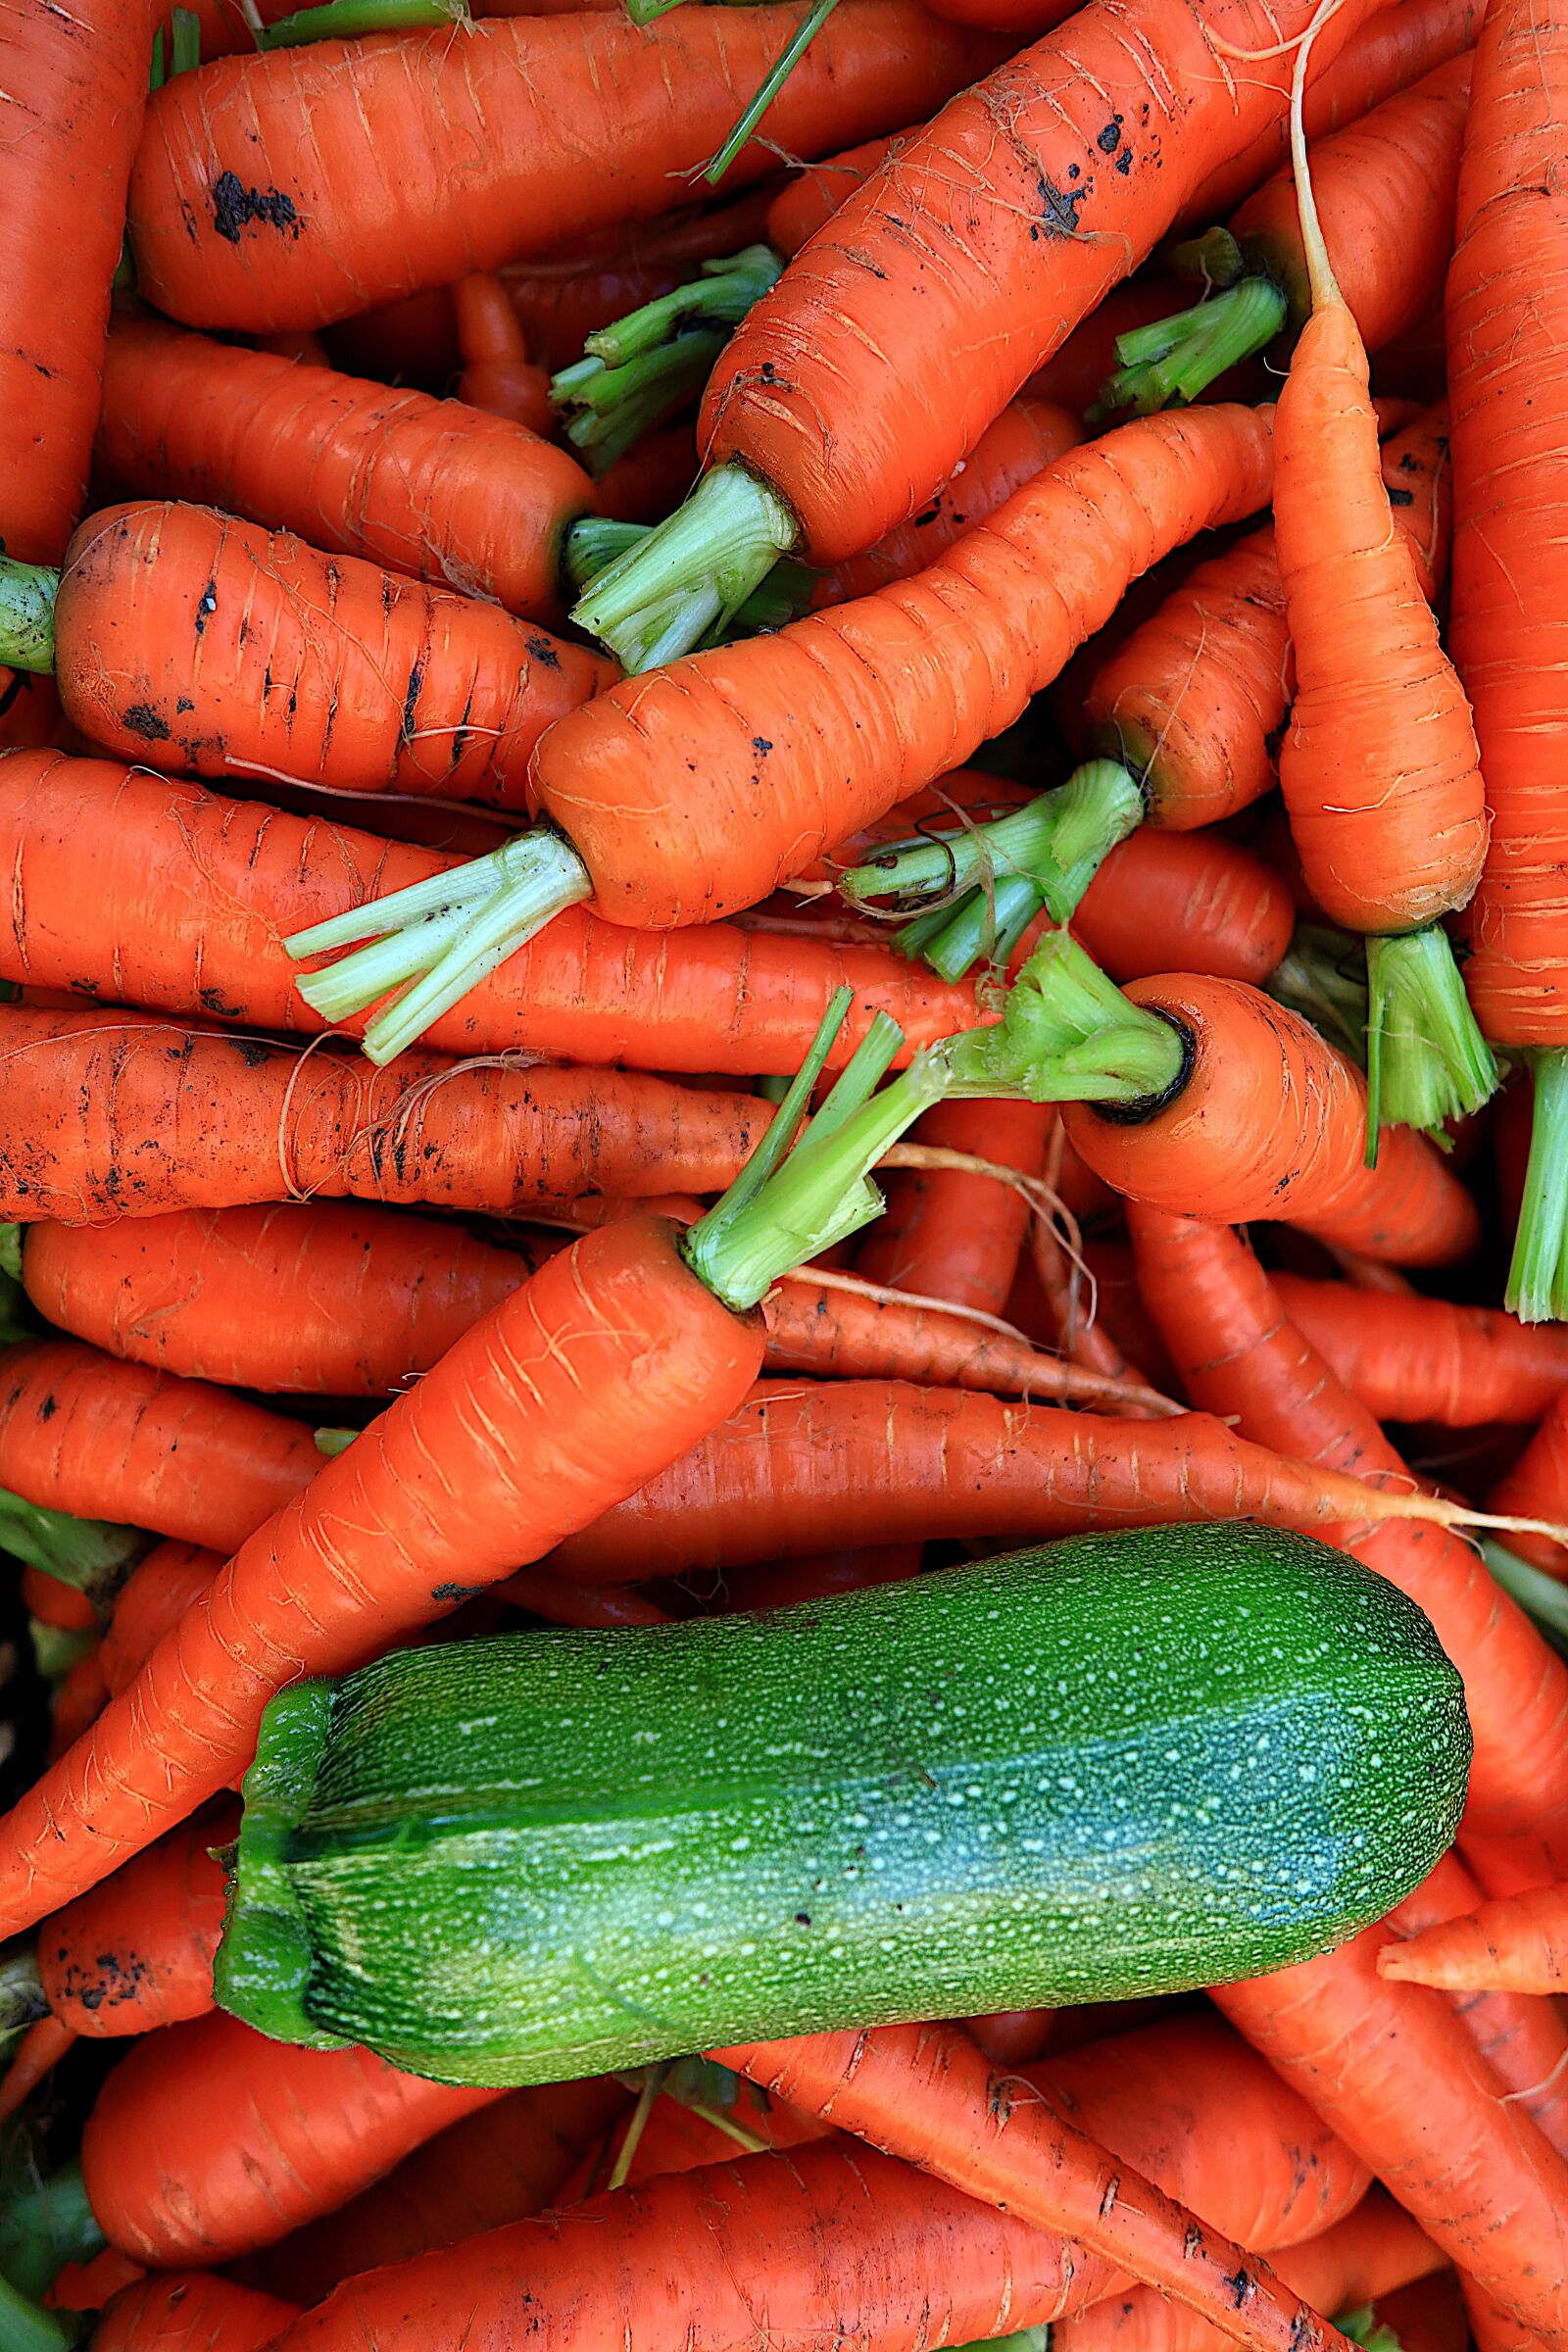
(783, 801)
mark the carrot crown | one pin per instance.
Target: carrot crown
(1068, 1034)
(691, 573)
(91, 1555)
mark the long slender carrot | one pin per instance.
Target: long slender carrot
(504, 144)
(84, 1433)
(422, 486)
(1237, 1353)
(1392, 2068)
(228, 879)
(1517, 1943)
(954, 1235)
(1413, 1358)
(170, 1118)
(153, 1600)
(191, 2311)
(799, 1469)
(178, 634)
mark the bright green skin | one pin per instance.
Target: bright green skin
(1124, 1764)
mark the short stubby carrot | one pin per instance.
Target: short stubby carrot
(189, 640)
(136, 1952)
(228, 879)
(423, 486)
(261, 199)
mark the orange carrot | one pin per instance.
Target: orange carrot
(51, 1602)
(498, 373)
(503, 144)
(799, 1469)
(150, 1603)
(228, 879)
(400, 479)
(954, 1235)
(1538, 1481)
(1413, 1358)
(79, 1697)
(196, 1119)
(1517, 1943)
(191, 2311)
(178, 633)
(1191, 903)
(32, 2062)
(1237, 1353)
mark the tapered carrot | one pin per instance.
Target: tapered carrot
(83, 1433)
(180, 635)
(506, 143)
(153, 1600)
(1237, 1354)
(1413, 1358)
(165, 1117)
(228, 879)
(50, 1602)
(32, 2062)
(1391, 2067)
(797, 1469)
(422, 486)
(498, 374)
(949, 1235)
(191, 2311)
(1540, 1477)
(1518, 1943)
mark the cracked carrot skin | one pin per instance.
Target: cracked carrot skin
(785, 744)
(228, 879)
(263, 197)
(797, 1468)
(1270, 1121)
(428, 487)
(107, 1117)
(192, 640)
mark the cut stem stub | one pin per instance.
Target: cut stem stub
(1426, 1059)
(693, 573)
(1538, 1279)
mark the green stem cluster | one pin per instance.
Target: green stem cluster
(353, 19)
(1175, 360)
(26, 2327)
(691, 573)
(42, 2228)
(1322, 976)
(28, 615)
(92, 1555)
(1538, 1279)
(595, 541)
(1426, 1059)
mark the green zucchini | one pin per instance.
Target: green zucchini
(1119, 1765)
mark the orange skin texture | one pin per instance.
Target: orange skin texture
(1238, 1355)
(1186, 899)
(153, 1598)
(1413, 1358)
(910, 320)
(946, 1235)
(608, 1363)
(1507, 318)
(229, 879)
(422, 486)
(1537, 1488)
(498, 373)
(1271, 1122)
(166, 1117)
(694, 790)
(72, 90)
(208, 2141)
(783, 2248)
(411, 160)
(190, 2310)
(137, 1951)
(1380, 768)
(1516, 1945)
(219, 647)
(797, 1469)
(82, 1432)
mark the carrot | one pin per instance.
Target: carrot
(1392, 2069)
(954, 1235)
(793, 2248)
(396, 479)
(71, 112)
(989, 624)
(1410, 1358)
(32, 2063)
(1510, 460)
(208, 2141)
(1237, 1354)
(1517, 1943)
(50, 1602)
(554, 1601)
(137, 1951)
(1384, 189)
(79, 1697)
(361, 1299)
(506, 143)
(174, 1117)
(153, 1600)
(82, 1434)
(217, 646)
(498, 373)
(511, 2158)
(191, 2311)
(1370, 2252)
(90, 2285)
(796, 1469)
(1540, 1475)
(229, 878)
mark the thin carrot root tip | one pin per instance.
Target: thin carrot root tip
(27, 617)
(1426, 1059)
(430, 943)
(1068, 1034)
(691, 574)
(1322, 976)
(1174, 361)
(647, 366)
(993, 879)
(595, 541)
(1538, 1278)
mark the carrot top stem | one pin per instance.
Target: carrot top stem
(984, 927)
(25, 2326)
(28, 615)
(768, 89)
(595, 541)
(1175, 360)
(694, 570)
(42, 2228)
(1538, 1595)
(92, 1555)
(22, 1995)
(607, 411)
(1426, 1059)
(721, 295)
(1214, 258)
(1538, 1279)
(1068, 1034)
(434, 941)
(351, 20)
(1322, 976)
